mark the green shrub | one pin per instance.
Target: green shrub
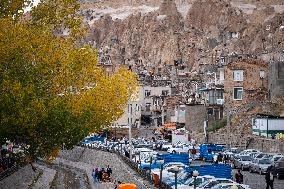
(218, 125)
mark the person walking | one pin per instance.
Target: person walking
(109, 171)
(239, 178)
(193, 153)
(95, 174)
(269, 178)
(100, 175)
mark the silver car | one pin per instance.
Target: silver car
(242, 162)
(259, 165)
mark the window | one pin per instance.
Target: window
(238, 75)
(131, 109)
(148, 106)
(238, 93)
(147, 93)
(223, 60)
(165, 92)
(261, 74)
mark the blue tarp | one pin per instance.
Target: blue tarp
(216, 170)
(207, 151)
(183, 158)
(93, 139)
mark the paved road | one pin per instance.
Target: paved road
(256, 181)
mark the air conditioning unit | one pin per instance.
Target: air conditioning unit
(220, 101)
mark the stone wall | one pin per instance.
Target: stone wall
(276, 79)
(195, 117)
(267, 145)
(242, 141)
(123, 132)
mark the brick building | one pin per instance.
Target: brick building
(246, 81)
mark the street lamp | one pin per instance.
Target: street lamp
(174, 170)
(195, 174)
(234, 187)
(161, 162)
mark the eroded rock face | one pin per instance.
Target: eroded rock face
(152, 33)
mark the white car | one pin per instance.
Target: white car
(276, 158)
(213, 182)
(248, 151)
(229, 185)
(180, 149)
(139, 150)
(189, 184)
(166, 174)
(166, 146)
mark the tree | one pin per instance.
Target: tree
(52, 90)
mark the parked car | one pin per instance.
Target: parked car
(165, 173)
(166, 146)
(259, 165)
(247, 152)
(189, 183)
(278, 168)
(231, 152)
(182, 177)
(274, 158)
(229, 186)
(242, 162)
(184, 148)
(212, 182)
(260, 156)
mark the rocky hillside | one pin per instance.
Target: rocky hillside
(150, 34)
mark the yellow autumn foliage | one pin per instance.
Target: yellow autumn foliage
(52, 89)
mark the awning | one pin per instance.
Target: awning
(127, 186)
(170, 125)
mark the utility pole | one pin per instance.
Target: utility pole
(130, 141)
(163, 118)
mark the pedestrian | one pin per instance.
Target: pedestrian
(193, 153)
(127, 154)
(239, 178)
(269, 178)
(215, 159)
(109, 171)
(226, 158)
(95, 175)
(117, 184)
(100, 175)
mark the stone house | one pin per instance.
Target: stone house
(131, 116)
(170, 106)
(246, 81)
(153, 103)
